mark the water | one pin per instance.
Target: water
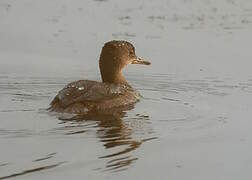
(193, 121)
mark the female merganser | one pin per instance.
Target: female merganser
(91, 97)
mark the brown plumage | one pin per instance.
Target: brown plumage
(91, 97)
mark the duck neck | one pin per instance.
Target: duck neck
(114, 77)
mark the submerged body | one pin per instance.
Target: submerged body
(91, 97)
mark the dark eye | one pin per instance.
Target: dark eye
(131, 53)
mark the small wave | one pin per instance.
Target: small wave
(32, 170)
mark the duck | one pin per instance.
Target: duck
(87, 97)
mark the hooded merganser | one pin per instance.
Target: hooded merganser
(89, 97)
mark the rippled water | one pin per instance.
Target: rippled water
(33, 139)
(193, 121)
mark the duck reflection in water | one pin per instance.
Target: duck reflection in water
(116, 131)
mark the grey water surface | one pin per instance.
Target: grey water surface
(193, 121)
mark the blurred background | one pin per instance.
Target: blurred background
(193, 121)
(179, 36)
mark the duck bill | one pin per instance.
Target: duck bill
(139, 60)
